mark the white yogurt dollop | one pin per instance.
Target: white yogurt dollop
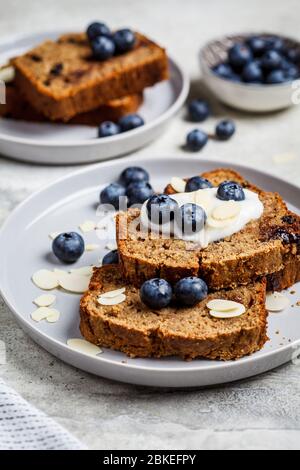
(249, 209)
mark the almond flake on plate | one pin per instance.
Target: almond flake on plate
(111, 246)
(53, 235)
(45, 300)
(178, 184)
(276, 301)
(113, 293)
(111, 301)
(284, 158)
(7, 74)
(222, 305)
(45, 313)
(91, 247)
(45, 279)
(87, 226)
(84, 270)
(227, 210)
(74, 282)
(83, 346)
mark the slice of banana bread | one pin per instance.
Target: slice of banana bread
(18, 108)
(265, 246)
(60, 79)
(135, 329)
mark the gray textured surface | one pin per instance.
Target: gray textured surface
(259, 413)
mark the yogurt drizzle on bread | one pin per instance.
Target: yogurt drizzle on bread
(216, 227)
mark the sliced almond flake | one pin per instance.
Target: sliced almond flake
(83, 346)
(284, 158)
(111, 246)
(7, 74)
(113, 293)
(87, 226)
(111, 301)
(211, 222)
(92, 247)
(225, 211)
(74, 282)
(45, 300)
(45, 279)
(84, 270)
(223, 305)
(53, 317)
(178, 184)
(276, 301)
(229, 314)
(53, 235)
(45, 313)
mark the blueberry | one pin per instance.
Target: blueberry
(191, 218)
(257, 45)
(112, 257)
(68, 247)
(225, 129)
(124, 40)
(230, 191)
(103, 47)
(156, 293)
(108, 129)
(223, 70)
(271, 60)
(97, 29)
(290, 70)
(275, 43)
(139, 192)
(276, 76)
(252, 73)
(197, 182)
(131, 121)
(293, 55)
(198, 110)
(190, 290)
(239, 55)
(133, 174)
(111, 194)
(196, 140)
(161, 208)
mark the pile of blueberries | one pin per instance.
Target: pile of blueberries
(199, 111)
(105, 44)
(125, 124)
(157, 293)
(260, 60)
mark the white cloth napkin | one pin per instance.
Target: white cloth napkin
(23, 427)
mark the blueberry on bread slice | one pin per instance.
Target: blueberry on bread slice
(130, 326)
(265, 246)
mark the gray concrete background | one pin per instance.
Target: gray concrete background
(259, 413)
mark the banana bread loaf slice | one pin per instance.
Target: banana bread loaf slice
(135, 329)
(263, 247)
(16, 107)
(60, 79)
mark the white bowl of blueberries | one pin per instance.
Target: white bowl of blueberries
(252, 72)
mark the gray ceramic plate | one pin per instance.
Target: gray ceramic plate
(25, 248)
(58, 144)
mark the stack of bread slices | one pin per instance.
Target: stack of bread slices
(264, 255)
(60, 81)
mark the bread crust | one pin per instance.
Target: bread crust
(264, 247)
(136, 330)
(60, 79)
